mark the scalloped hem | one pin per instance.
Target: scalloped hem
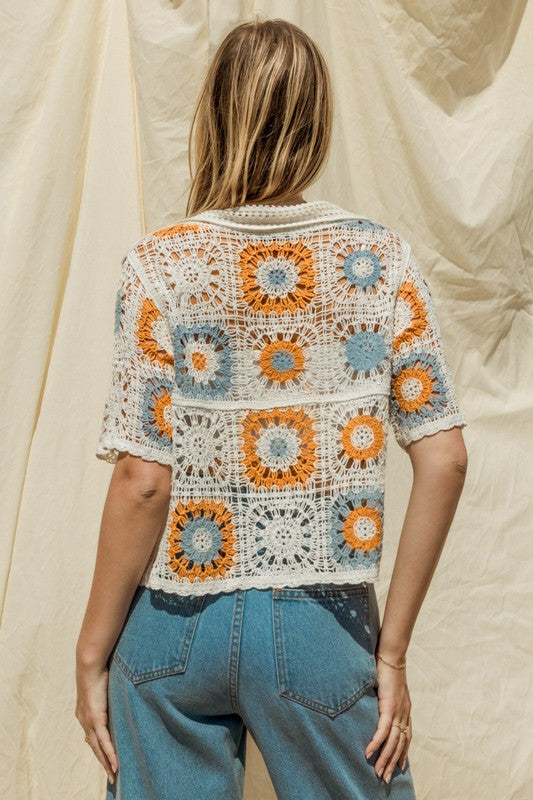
(260, 582)
(428, 429)
(109, 450)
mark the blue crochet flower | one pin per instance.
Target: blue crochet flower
(201, 540)
(356, 532)
(362, 268)
(365, 350)
(203, 360)
(277, 275)
(362, 224)
(282, 361)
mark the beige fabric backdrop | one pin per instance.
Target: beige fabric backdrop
(433, 137)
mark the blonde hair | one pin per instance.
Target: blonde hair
(262, 122)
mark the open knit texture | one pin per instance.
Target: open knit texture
(262, 352)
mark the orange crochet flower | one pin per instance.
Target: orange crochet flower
(201, 540)
(149, 314)
(363, 438)
(363, 520)
(160, 406)
(277, 277)
(414, 310)
(402, 386)
(281, 360)
(180, 228)
(279, 447)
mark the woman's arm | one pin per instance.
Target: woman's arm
(137, 502)
(134, 512)
(439, 466)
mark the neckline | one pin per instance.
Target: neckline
(275, 206)
(265, 215)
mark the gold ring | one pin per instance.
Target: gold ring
(86, 738)
(402, 729)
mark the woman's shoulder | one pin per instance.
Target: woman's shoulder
(142, 247)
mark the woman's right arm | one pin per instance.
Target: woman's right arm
(439, 465)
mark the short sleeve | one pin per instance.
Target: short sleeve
(423, 397)
(137, 413)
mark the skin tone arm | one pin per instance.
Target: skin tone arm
(439, 465)
(134, 513)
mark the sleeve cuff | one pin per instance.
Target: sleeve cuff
(408, 435)
(108, 449)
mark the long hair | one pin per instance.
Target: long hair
(262, 123)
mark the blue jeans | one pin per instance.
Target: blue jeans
(295, 667)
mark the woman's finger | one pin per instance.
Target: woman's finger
(408, 738)
(387, 750)
(402, 758)
(104, 739)
(99, 753)
(389, 768)
(382, 731)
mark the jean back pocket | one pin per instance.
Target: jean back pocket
(324, 645)
(157, 634)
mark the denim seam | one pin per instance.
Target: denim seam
(230, 664)
(233, 666)
(330, 711)
(138, 677)
(238, 654)
(279, 643)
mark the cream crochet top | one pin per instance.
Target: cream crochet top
(262, 352)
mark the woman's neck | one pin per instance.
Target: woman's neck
(288, 200)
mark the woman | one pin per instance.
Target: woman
(262, 344)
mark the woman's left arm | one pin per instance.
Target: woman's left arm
(134, 513)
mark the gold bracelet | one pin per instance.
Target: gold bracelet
(396, 666)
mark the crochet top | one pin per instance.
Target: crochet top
(262, 352)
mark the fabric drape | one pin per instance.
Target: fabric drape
(432, 136)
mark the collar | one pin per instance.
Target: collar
(263, 216)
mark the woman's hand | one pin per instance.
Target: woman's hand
(394, 705)
(91, 711)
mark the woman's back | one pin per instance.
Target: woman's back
(262, 351)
